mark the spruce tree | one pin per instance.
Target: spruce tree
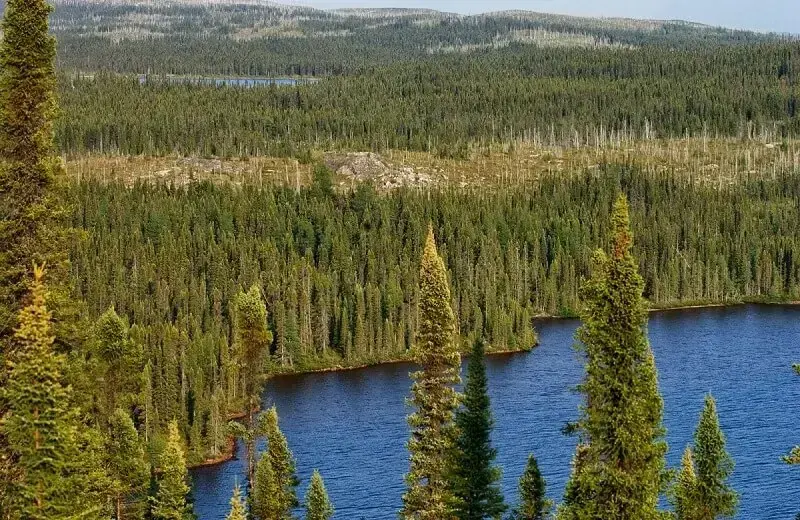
(475, 479)
(265, 495)
(283, 464)
(252, 347)
(318, 505)
(126, 464)
(534, 504)
(683, 494)
(713, 464)
(170, 501)
(618, 475)
(53, 467)
(238, 509)
(428, 496)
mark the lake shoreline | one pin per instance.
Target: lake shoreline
(230, 452)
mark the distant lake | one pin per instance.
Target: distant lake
(226, 81)
(351, 425)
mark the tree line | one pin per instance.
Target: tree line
(445, 105)
(337, 271)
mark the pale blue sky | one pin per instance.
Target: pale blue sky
(764, 15)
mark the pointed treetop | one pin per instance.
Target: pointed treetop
(238, 509)
(318, 505)
(620, 220)
(687, 465)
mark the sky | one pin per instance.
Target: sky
(760, 15)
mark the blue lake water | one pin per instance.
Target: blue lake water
(351, 425)
(227, 81)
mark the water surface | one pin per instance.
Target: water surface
(351, 425)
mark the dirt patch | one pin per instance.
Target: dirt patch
(358, 167)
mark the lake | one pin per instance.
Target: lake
(351, 425)
(226, 81)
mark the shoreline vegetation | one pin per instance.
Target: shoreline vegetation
(230, 452)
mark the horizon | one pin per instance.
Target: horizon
(777, 16)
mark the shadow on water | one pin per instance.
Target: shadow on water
(351, 425)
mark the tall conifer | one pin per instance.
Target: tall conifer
(283, 464)
(713, 496)
(475, 478)
(170, 501)
(428, 496)
(126, 464)
(618, 475)
(534, 504)
(265, 495)
(238, 509)
(53, 466)
(318, 505)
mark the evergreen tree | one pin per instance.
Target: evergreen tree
(121, 364)
(54, 470)
(683, 494)
(238, 509)
(265, 497)
(428, 496)
(283, 464)
(29, 172)
(714, 497)
(252, 347)
(31, 213)
(170, 501)
(534, 504)
(126, 464)
(318, 505)
(475, 480)
(619, 476)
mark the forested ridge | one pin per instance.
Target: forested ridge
(339, 271)
(148, 350)
(448, 104)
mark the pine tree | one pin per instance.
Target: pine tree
(318, 505)
(619, 474)
(534, 504)
(283, 464)
(238, 509)
(125, 461)
(54, 470)
(170, 501)
(475, 480)
(428, 496)
(121, 363)
(265, 497)
(683, 494)
(715, 498)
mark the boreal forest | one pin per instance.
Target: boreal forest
(197, 198)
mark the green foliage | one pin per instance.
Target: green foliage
(428, 496)
(126, 465)
(121, 362)
(318, 505)
(170, 501)
(534, 504)
(618, 473)
(283, 465)
(683, 493)
(448, 105)
(253, 339)
(238, 507)
(31, 211)
(54, 468)
(265, 498)
(511, 254)
(711, 497)
(475, 480)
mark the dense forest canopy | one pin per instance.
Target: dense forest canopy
(339, 273)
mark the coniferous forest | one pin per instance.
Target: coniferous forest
(142, 314)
